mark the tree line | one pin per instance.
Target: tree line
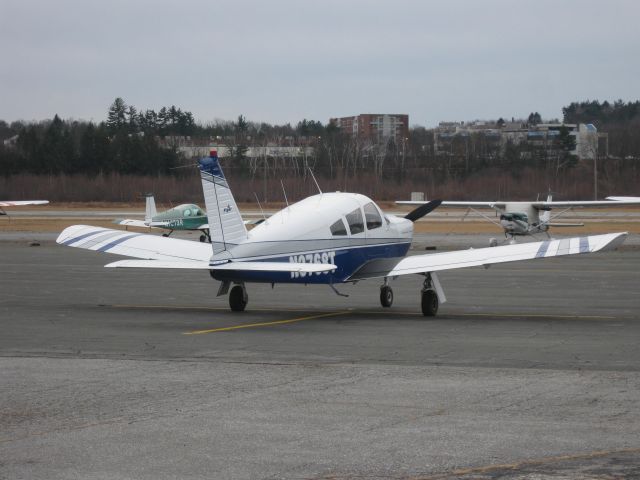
(129, 142)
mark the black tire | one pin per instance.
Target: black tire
(238, 298)
(386, 296)
(165, 234)
(203, 238)
(429, 303)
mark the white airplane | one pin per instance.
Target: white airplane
(328, 238)
(530, 218)
(19, 203)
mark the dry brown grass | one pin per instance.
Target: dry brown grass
(451, 224)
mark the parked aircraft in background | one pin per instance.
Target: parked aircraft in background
(328, 238)
(19, 203)
(183, 217)
(529, 218)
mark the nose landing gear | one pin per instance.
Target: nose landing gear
(386, 296)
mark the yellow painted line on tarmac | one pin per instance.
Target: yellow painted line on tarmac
(266, 324)
(213, 309)
(390, 313)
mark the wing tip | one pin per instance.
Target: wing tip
(616, 239)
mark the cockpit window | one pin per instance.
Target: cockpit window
(372, 216)
(356, 224)
(509, 217)
(338, 229)
(187, 212)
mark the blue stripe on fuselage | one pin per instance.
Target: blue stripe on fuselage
(348, 260)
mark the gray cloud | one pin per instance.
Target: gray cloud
(281, 61)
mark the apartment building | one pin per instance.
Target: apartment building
(378, 127)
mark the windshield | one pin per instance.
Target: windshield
(372, 216)
(522, 217)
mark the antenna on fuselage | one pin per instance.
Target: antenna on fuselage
(285, 193)
(314, 179)
(262, 211)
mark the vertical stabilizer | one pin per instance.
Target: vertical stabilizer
(226, 227)
(150, 208)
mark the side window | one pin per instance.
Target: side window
(338, 228)
(372, 216)
(187, 212)
(356, 224)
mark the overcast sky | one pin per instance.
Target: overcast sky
(281, 61)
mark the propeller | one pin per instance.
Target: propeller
(423, 210)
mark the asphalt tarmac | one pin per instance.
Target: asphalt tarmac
(530, 370)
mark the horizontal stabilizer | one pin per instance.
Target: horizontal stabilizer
(565, 224)
(488, 256)
(129, 222)
(234, 266)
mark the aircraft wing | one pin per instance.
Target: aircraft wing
(586, 203)
(460, 204)
(163, 252)
(19, 203)
(623, 199)
(488, 256)
(136, 245)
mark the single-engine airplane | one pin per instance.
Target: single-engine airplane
(19, 203)
(183, 217)
(529, 218)
(328, 238)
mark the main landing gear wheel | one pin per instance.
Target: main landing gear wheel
(429, 303)
(386, 296)
(238, 298)
(203, 238)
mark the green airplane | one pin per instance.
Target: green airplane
(183, 217)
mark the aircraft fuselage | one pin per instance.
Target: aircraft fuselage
(344, 229)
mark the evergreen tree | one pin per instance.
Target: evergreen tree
(117, 116)
(132, 119)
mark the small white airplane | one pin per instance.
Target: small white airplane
(19, 203)
(530, 218)
(328, 238)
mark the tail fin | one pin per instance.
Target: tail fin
(226, 227)
(546, 215)
(150, 210)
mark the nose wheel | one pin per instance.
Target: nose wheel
(386, 296)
